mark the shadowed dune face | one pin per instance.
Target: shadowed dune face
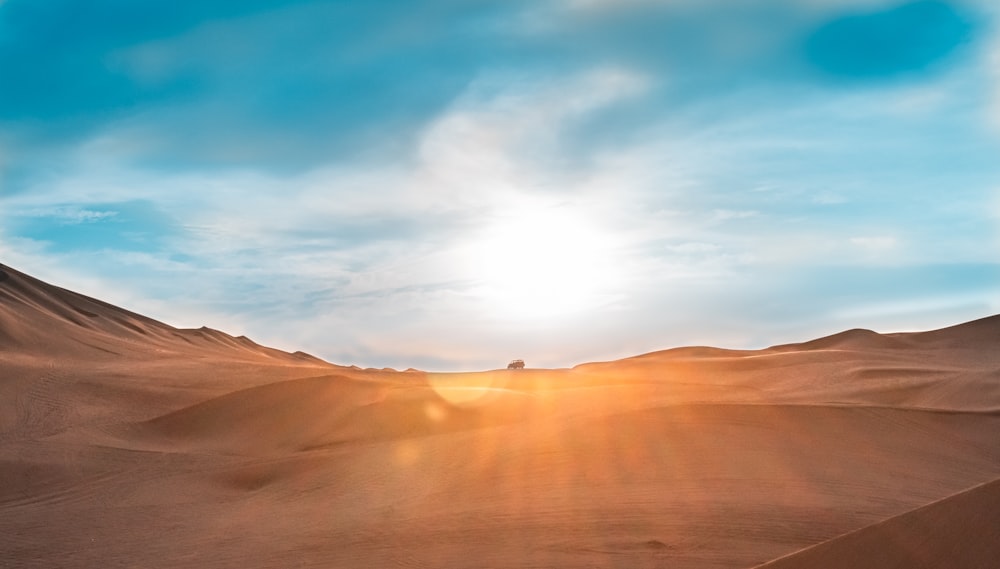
(957, 531)
(124, 441)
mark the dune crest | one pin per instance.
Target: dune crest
(41, 319)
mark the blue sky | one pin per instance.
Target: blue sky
(452, 184)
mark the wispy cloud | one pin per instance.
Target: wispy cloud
(875, 242)
(70, 214)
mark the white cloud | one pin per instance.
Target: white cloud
(811, 4)
(502, 134)
(830, 198)
(729, 214)
(875, 243)
(70, 215)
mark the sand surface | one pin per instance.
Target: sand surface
(125, 442)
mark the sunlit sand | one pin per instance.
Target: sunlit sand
(126, 442)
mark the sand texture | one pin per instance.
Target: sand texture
(125, 442)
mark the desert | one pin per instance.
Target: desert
(533, 284)
(125, 442)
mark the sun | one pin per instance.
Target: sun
(543, 262)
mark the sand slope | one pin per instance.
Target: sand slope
(126, 442)
(44, 320)
(958, 531)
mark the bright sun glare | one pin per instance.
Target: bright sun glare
(542, 263)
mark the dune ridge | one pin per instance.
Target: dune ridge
(125, 441)
(41, 319)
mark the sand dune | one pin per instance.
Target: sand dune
(127, 442)
(44, 320)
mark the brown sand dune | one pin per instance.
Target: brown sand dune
(126, 442)
(39, 319)
(955, 368)
(958, 531)
(70, 360)
(312, 413)
(855, 339)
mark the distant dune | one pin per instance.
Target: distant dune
(127, 442)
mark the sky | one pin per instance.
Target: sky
(451, 184)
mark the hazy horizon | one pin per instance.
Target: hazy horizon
(455, 185)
